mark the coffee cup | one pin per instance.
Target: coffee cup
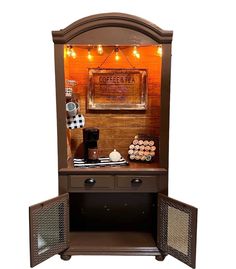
(71, 109)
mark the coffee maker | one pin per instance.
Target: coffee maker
(90, 138)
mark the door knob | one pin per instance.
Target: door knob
(90, 181)
(136, 181)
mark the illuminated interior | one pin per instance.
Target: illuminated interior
(117, 128)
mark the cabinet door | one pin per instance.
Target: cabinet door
(49, 228)
(177, 227)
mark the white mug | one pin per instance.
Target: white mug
(71, 109)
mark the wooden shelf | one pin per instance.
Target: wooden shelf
(114, 243)
(133, 167)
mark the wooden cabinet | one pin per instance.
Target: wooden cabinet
(113, 210)
(113, 224)
(92, 182)
(137, 183)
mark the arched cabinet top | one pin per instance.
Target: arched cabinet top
(112, 28)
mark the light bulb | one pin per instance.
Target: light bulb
(73, 54)
(90, 56)
(117, 56)
(100, 49)
(137, 55)
(68, 51)
(159, 51)
(135, 52)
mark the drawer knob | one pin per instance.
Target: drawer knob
(136, 181)
(90, 181)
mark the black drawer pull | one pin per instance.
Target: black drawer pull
(136, 181)
(90, 181)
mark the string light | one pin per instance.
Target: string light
(90, 56)
(70, 52)
(159, 50)
(73, 54)
(117, 56)
(100, 49)
(135, 52)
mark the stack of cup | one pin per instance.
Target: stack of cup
(72, 109)
(74, 118)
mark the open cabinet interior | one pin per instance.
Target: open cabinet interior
(100, 223)
(113, 221)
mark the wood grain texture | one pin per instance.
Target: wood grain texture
(117, 129)
(144, 31)
(61, 113)
(133, 168)
(111, 242)
(165, 105)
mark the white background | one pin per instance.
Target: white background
(202, 126)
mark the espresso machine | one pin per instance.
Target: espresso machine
(90, 139)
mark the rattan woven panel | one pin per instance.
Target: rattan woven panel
(50, 229)
(177, 229)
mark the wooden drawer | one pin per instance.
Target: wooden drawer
(137, 183)
(92, 182)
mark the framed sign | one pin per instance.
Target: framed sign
(117, 89)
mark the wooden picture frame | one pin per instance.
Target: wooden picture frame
(117, 89)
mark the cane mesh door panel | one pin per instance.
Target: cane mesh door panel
(49, 228)
(177, 229)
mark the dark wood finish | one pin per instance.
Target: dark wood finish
(115, 20)
(112, 243)
(137, 183)
(115, 210)
(162, 184)
(117, 35)
(65, 257)
(61, 113)
(165, 105)
(51, 246)
(90, 182)
(186, 234)
(108, 211)
(132, 168)
(63, 184)
(160, 257)
(72, 32)
(118, 183)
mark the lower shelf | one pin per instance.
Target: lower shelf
(112, 243)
